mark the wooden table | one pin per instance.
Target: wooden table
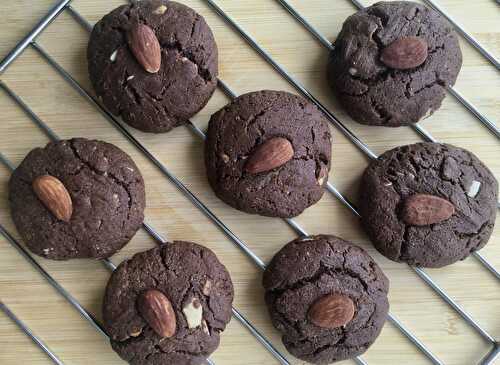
(64, 110)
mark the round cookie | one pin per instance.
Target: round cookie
(154, 102)
(200, 293)
(107, 194)
(303, 286)
(271, 126)
(391, 184)
(375, 94)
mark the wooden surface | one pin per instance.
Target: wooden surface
(415, 304)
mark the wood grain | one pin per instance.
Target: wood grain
(415, 304)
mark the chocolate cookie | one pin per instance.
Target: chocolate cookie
(168, 305)
(376, 91)
(158, 101)
(268, 153)
(102, 191)
(404, 216)
(327, 297)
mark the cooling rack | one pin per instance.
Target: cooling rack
(277, 354)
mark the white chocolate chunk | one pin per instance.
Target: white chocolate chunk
(160, 10)
(474, 189)
(130, 78)
(135, 332)
(113, 56)
(322, 176)
(207, 287)
(353, 71)
(193, 311)
(204, 326)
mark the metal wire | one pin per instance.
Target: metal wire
(6, 162)
(488, 123)
(320, 37)
(83, 312)
(491, 356)
(259, 337)
(30, 334)
(453, 304)
(486, 264)
(80, 19)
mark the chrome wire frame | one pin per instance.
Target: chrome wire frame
(64, 4)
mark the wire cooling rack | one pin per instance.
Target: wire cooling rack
(64, 6)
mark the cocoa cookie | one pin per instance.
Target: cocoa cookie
(158, 86)
(392, 62)
(327, 297)
(168, 305)
(77, 198)
(268, 153)
(428, 204)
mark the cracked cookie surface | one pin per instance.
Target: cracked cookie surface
(306, 270)
(437, 169)
(375, 94)
(189, 65)
(182, 271)
(235, 131)
(107, 191)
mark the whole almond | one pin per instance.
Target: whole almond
(157, 311)
(423, 210)
(145, 47)
(332, 311)
(54, 196)
(405, 53)
(271, 154)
